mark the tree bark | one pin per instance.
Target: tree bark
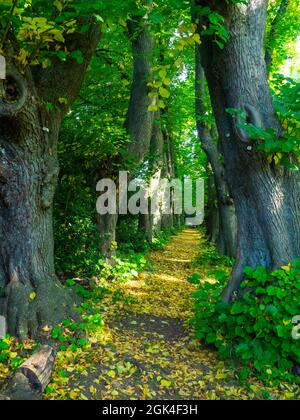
(273, 32)
(157, 154)
(146, 226)
(168, 172)
(106, 226)
(266, 197)
(227, 236)
(32, 377)
(139, 120)
(30, 293)
(152, 223)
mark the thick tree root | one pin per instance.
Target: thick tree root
(27, 309)
(232, 290)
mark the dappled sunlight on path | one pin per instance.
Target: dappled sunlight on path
(147, 350)
(164, 290)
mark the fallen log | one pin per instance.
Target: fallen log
(32, 377)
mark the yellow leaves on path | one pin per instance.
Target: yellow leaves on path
(147, 350)
(164, 291)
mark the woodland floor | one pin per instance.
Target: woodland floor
(147, 349)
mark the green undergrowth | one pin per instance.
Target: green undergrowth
(96, 287)
(209, 257)
(259, 331)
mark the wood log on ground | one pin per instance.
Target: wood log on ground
(32, 377)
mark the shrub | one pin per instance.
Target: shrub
(210, 257)
(257, 328)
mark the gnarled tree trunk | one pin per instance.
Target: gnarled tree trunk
(266, 197)
(30, 293)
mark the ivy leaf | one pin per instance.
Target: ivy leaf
(164, 93)
(58, 36)
(152, 108)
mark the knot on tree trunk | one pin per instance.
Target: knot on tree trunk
(13, 94)
(253, 117)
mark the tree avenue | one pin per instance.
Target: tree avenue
(149, 177)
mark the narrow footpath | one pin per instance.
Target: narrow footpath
(147, 349)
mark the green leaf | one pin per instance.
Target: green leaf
(164, 93)
(78, 56)
(58, 4)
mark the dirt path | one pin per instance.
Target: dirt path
(146, 350)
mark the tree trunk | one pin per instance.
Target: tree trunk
(139, 120)
(146, 226)
(266, 197)
(106, 226)
(227, 237)
(30, 293)
(157, 156)
(168, 172)
(151, 223)
(271, 40)
(212, 221)
(28, 178)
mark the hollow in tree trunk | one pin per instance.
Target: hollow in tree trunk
(30, 293)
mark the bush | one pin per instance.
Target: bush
(209, 256)
(75, 232)
(162, 238)
(256, 329)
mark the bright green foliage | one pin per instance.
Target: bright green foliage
(8, 353)
(216, 25)
(93, 138)
(282, 31)
(287, 105)
(41, 27)
(257, 328)
(210, 257)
